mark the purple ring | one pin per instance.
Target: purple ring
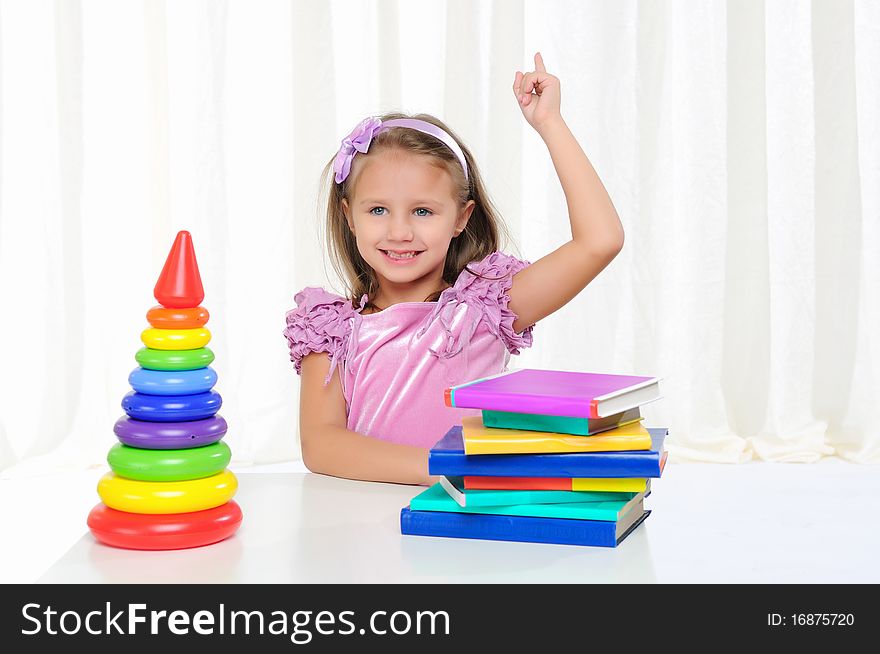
(169, 435)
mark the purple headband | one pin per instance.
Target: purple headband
(361, 136)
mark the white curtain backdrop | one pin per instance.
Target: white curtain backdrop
(740, 143)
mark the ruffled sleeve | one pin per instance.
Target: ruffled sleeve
(484, 291)
(321, 322)
(491, 289)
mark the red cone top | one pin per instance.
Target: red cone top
(180, 285)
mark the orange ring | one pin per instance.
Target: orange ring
(164, 318)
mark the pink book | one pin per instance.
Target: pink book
(555, 393)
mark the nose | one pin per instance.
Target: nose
(400, 228)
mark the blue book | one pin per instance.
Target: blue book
(561, 531)
(447, 458)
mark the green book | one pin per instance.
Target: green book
(454, 487)
(436, 499)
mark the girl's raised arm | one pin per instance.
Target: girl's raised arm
(596, 233)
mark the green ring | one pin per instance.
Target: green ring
(168, 465)
(174, 359)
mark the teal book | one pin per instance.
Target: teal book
(454, 487)
(436, 499)
(559, 424)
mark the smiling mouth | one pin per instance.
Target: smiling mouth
(400, 256)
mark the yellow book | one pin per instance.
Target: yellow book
(612, 484)
(479, 439)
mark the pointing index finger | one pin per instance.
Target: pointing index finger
(539, 63)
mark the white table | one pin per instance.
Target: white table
(711, 523)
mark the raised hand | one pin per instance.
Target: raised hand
(538, 95)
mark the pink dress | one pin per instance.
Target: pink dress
(395, 364)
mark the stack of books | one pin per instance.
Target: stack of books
(556, 457)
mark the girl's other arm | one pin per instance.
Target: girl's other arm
(597, 234)
(329, 448)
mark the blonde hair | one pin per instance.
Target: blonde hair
(479, 239)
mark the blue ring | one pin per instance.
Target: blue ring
(171, 408)
(172, 382)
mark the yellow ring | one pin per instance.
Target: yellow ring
(135, 496)
(175, 339)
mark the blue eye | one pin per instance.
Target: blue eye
(427, 213)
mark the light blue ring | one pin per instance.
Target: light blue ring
(172, 382)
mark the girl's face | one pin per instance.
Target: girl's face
(403, 206)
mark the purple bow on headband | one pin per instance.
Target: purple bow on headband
(357, 141)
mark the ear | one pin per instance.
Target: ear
(464, 216)
(347, 211)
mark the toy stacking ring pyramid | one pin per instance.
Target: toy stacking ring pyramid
(169, 487)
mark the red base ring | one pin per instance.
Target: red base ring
(169, 531)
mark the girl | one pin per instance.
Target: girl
(432, 302)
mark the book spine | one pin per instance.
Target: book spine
(539, 422)
(485, 482)
(496, 498)
(605, 511)
(600, 465)
(553, 444)
(543, 484)
(508, 528)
